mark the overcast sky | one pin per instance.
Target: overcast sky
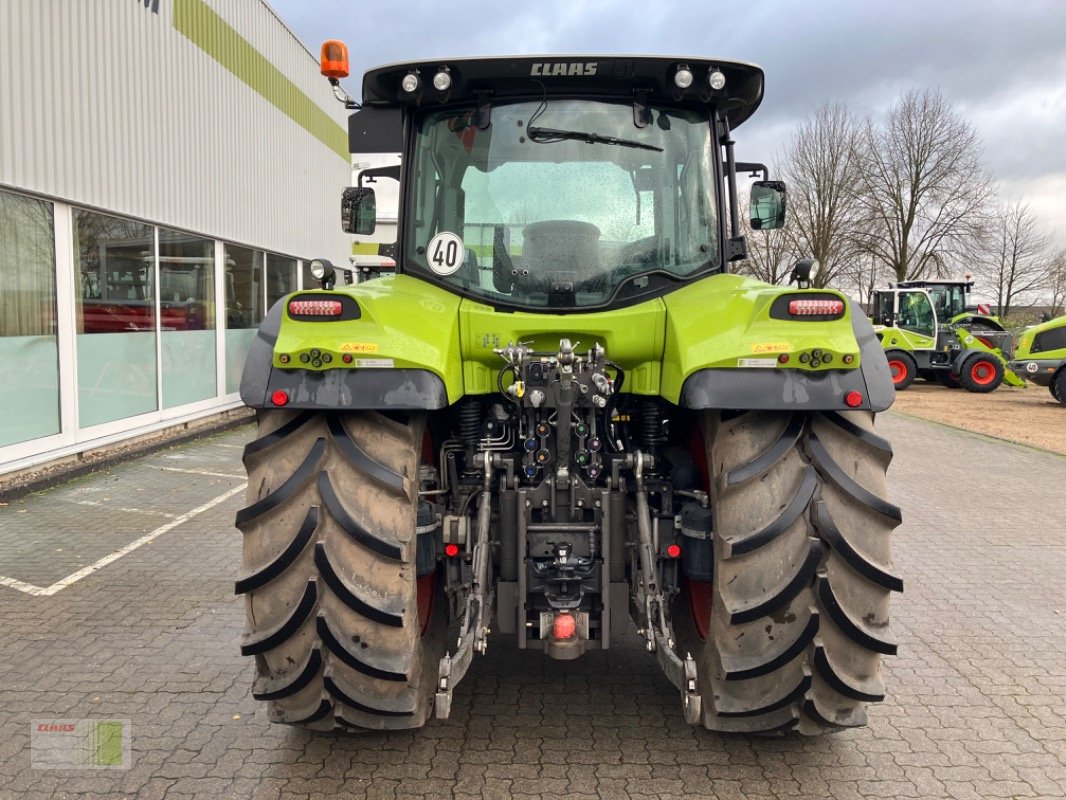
(1002, 65)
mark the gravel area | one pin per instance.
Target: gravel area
(1028, 415)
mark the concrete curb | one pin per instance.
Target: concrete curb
(43, 476)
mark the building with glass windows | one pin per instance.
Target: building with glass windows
(166, 169)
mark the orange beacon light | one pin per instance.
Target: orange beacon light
(334, 59)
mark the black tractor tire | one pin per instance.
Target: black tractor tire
(981, 373)
(1058, 386)
(948, 379)
(902, 367)
(329, 572)
(799, 612)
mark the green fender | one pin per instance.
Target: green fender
(398, 349)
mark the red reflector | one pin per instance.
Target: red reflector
(673, 550)
(315, 308)
(280, 397)
(564, 626)
(853, 399)
(812, 308)
(451, 550)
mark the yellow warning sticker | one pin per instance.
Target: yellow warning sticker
(771, 347)
(359, 347)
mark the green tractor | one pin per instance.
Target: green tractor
(967, 350)
(1041, 356)
(563, 412)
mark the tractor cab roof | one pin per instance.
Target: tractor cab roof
(655, 79)
(926, 284)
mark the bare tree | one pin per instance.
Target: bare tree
(822, 169)
(862, 275)
(1056, 283)
(770, 255)
(924, 187)
(1018, 261)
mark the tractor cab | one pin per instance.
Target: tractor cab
(532, 184)
(950, 301)
(912, 310)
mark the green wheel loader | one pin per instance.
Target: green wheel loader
(1041, 356)
(563, 412)
(970, 351)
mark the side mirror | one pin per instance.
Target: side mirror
(767, 205)
(359, 210)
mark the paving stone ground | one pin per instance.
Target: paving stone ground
(977, 704)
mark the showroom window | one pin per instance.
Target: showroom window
(115, 316)
(244, 307)
(28, 343)
(187, 317)
(281, 278)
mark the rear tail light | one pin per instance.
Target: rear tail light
(315, 308)
(815, 308)
(564, 626)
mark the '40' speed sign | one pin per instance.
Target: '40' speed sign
(445, 253)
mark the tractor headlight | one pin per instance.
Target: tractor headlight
(410, 82)
(716, 79)
(683, 77)
(442, 81)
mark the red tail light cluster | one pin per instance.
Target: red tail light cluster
(811, 308)
(315, 308)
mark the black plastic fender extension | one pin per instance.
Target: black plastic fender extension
(794, 389)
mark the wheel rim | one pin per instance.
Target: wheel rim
(898, 370)
(982, 373)
(700, 605)
(427, 586)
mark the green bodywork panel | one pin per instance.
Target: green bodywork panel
(724, 322)
(1025, 341)
(404, 323)
(902, 339)
(633, 338)
(719, 322)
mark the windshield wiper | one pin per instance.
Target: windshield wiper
(549, 135)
